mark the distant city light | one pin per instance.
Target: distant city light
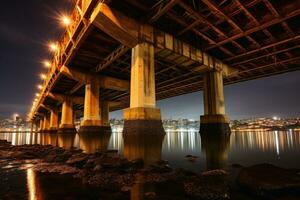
(65, 20)
(43, 76)
(53, 46)
(275, 118)
(15, 116)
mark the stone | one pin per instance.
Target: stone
(150, 195)
(215, 172)
(266, 178)
(77, 160)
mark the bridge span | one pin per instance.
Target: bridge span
(127, 54)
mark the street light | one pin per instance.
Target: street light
(65, 20)
(43, 76)
(53, 46)
(47, 64)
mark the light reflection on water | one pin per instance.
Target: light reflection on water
(277, 147)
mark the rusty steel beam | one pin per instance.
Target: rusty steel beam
(266, 55)
(264, 47)
(258, 28)
(271, 65)
(162, 9)
(121, 50)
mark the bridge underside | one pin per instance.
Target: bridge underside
(256, 38)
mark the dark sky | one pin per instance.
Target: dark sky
(27, 26)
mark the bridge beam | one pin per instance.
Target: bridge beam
(67, 117)
(130, 32)
(106, 82)
(142, 116)
(214, 118)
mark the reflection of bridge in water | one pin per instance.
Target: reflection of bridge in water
(128, 54)
(174, 146)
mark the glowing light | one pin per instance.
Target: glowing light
(53, 46)
(37, 94)
(43, 76)
(275, 118)
(40, 87)
(47, 64)
(65, 20)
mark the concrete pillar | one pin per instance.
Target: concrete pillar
(214, 118)
(91, 120)
(53, 120)
(67, 117)
(46, 121)
(142, 116)
(105, 113)
(216, 149)
(41, 124)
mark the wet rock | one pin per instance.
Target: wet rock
(137, 163)
(265, 179)
(191, 158)
(97, 168)
(125, 189)
(55, 168)
(236, 165)
(50, 158)
(77, 160)
(150, 195)
(215, 172)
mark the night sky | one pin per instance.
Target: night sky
(27, 26)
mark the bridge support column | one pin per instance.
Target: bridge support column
(214, 118)
(67, 117)
(105, 114)
(53, 120)
(46, 123)
(91, 120)
(41, 124)
(142, 117)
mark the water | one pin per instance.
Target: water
(281, 148)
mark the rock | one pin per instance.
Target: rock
(50, 158)
(97, 168)
(236, 165)
(77, 160)
(191, 158)
(137, 163)
(150, 195)
(125, 189)
(215, 172)
(266, 178)
(55, 168)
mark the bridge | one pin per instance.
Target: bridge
(127, 54)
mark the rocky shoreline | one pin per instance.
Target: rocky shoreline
(109, 172)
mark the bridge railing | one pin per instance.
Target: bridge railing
(64, 46)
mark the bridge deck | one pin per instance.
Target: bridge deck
(258, 37)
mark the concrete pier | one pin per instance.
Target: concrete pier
(41, 124)
(46, 123)
(142, 116)
(92, 121)
(214, 118)
(67, 117)
(53, 120)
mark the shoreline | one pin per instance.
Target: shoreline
(109, 172)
